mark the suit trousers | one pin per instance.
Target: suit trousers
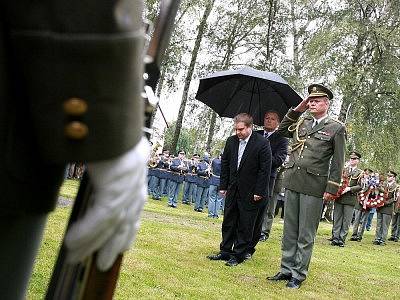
(302, 215)
(237, 228)
(23, 235)
(342, 215)
(395, 226)
(382, 226)
(269, 214)
(360, 221)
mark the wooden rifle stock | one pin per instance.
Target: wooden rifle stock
(85, 281)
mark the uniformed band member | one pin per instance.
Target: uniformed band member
(70, 90)
(361, 213)
(203, 173)
(344, 205)
(190, 189)
(384, 213)
(214, 197)
(162, 176)
(178, 168)
(313, 173)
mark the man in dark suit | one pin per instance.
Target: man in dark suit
(279, 149)
(245, 175)
(71, 77)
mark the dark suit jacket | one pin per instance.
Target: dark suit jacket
(253, 175)
(279, 149)
(50, 52)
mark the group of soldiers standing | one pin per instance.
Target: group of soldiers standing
(361, 192)
(199, 176)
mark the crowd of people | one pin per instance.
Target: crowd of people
(306, 176)
(199, 176)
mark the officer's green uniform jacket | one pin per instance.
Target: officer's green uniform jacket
(317, 155)
(350, 198)
(391, 190)
(70, 82)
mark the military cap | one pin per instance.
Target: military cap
(355, 154)
(390, 172)
(318, 90)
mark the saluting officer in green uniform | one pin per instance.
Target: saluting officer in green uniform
(344, 205)
(384, 213)
(313, 172)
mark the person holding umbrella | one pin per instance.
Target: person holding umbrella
(245, 175)
(313, 173)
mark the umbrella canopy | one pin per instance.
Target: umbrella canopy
(247, 90)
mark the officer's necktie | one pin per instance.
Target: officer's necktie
(242, 146)
(315, 123)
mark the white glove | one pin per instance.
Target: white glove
(110, 224)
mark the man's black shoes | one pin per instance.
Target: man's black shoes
(263, 238)
(280, 276)
(293, 283)
(219, 256)
(232, 262)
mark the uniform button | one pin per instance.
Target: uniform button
(75, 106)
(308, 137)
(305, 147)
(76, 130)
(302, 156)
(298, 168)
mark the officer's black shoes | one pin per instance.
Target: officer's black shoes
(354, 238)
(376, 242)
(391, 239)
(340, 244)
(263, 238)
(232, 262)
(219, 256)
(293, 283)
(280, 276)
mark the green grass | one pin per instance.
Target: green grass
(169, 262)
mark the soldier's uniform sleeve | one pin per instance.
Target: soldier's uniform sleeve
(79, 69)
(290, 118)
(337, 162)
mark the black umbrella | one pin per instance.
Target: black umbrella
(247, 90)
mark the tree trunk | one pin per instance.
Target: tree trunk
(200, 32)
(211, 130)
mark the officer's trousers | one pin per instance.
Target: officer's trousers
(302, 215)
(382, 226)
(342, 215)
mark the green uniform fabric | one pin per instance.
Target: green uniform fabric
(344, 206)
(314, 167)
(350, 198)
(49, 53)
(384, 213)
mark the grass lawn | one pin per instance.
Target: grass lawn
(169, 261)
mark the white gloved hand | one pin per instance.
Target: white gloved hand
(110, 224)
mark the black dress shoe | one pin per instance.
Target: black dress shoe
(340, 244)
(280, 276)
(247, 256)
(354, 238)
(375, 242)
(293, 283)
(391, 239)
(335, 243)
(219, 256)
(263, 238)
(232, 262)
